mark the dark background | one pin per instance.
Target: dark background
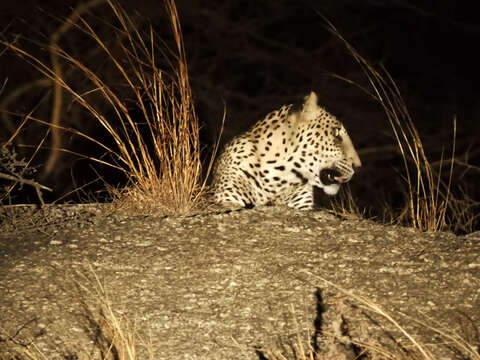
(254, 56)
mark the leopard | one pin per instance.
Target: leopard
(284, 157)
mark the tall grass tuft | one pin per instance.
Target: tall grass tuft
(151, 118)
(428, 197)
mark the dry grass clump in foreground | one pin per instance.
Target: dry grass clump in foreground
(336, 343)
(156, 143)
(119, 338)
(116, 336)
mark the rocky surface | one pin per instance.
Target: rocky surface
(236, 285)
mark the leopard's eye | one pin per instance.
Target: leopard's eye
(336, 134)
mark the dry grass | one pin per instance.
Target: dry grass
(117, 337)
(428, 197)
(345, 205)
(120, 337)
(158, 150)
(338, 344)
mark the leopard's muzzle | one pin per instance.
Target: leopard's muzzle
(333, 177)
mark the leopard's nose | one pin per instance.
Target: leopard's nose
(351, 153)
(355, 160)
(356, 163)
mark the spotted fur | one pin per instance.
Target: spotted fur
(283, 157)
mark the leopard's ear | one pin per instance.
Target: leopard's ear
(310, 107)
(311, 102)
